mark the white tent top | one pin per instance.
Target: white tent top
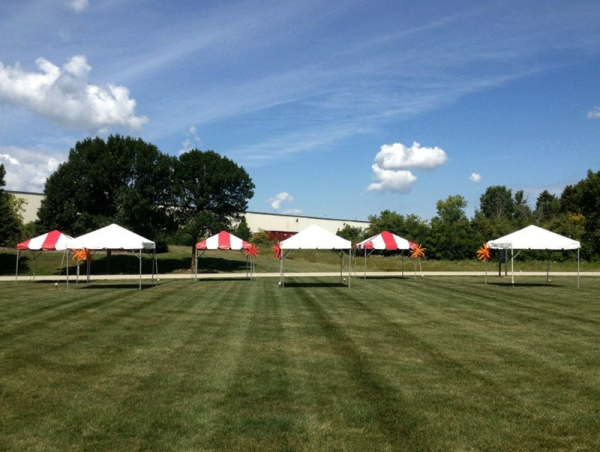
(315, 238)
(112, 237)
(534, 238)
(50, 241)
(384, 241)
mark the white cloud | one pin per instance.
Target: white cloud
(391, 160)
(279, 199)
(392, 180)
(475, 177)
(293, 212)
(9, 159)
(28, 169)
(78, 5)
(191, 141)
(397, 155)
(594, 113)
(64, 96)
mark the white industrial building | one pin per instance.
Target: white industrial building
(277, 225)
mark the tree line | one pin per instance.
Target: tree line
(451, 235)
(179, 200)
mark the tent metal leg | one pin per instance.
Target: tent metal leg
(512, 265)
(17, 269)
(578, 268)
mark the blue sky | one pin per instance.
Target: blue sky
(336, 109)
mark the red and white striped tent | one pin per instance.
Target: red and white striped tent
(384, 241)
(50, 241)
(227, 241)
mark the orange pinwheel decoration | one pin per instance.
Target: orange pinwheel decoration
(276, 251)
(251, 251)
(417, 251)
(82, 255)
(483, 253)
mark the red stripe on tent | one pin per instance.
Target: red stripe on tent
(23, 245)
(224, 240)
(51, 240)
(388, 239)
(368, 245)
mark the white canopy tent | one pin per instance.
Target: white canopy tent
(383, 241)
(114, 237)
(535, 238)
(315, 238)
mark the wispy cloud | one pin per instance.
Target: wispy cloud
(475, 177)
(276, 201)
(78, 5)
(192, 140)
(594, 113)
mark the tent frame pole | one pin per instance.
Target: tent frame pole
(512, 264)
(547, 267)
(68, 253)
(140, 269)
(578, 268)
(17, 269)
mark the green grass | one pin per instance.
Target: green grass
(179, 260)
(390, 364)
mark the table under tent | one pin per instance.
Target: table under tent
(227, 241)
(50, 241)
(535, 238)
(114, 237)
(314, 238)
(383, 241)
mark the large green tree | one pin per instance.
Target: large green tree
(581, 202)
(451, 236)
(211, 192)
(497, 203)
(11, 223)
(547, 208)
(120, 180)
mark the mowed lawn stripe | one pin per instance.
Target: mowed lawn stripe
(365, 404)
(257, 410)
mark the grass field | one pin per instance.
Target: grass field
(179, 260)
(391, 364)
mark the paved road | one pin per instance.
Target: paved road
(358, 275)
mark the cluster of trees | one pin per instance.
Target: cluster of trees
(132, 183)
(452, 235)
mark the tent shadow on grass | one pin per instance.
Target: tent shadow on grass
(526, 284)
(315, 284)
(217, 265)
(99, 285)
(8, 262)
